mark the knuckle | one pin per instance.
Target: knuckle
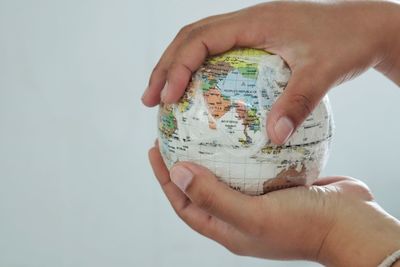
(173, 70)
(236, 250)
(206, 199)
(173, 66)
(158, 71)
(180, 210)
(303, 102)
(197, 31)
(158, 68)
(185, 30)
(206, 228)
(178, 69)
(196, 27)
(366, 192)
(363, 189)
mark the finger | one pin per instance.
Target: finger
(331, 180)
(348, 185)
(209, 39)
(214, 197)
(302, 94)
(151, 95)
(158, 77)
(198, 219)
(161, 172)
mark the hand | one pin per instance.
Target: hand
(335, 222)
(324, 44)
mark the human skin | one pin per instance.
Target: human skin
(324, 44)
(334, 222)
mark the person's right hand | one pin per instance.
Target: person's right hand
(324, 44)
(335, 222)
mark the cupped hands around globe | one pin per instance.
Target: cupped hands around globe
(220, 121)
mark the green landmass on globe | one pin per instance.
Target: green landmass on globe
(220, 123)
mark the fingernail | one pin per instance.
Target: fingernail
(283, 129)
(181, 176)
(164, 92)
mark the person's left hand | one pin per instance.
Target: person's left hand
(311, 223)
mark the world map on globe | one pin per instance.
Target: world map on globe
(220, 123)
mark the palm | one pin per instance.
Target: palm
(284, 224)
(299, 218)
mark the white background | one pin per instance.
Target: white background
(76, 188)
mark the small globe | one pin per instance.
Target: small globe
(220, 123)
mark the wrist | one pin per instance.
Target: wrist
(389, 61)
(364, 235)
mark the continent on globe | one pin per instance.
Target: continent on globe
(285, 179)
(220, 123)
(217, 105)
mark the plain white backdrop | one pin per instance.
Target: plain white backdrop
(76, 188)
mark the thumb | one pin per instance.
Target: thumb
(205, 191)
(302, 94)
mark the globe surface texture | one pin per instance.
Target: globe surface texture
(220, 123)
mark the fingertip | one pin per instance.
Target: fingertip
(168, 95)
(148, 103)
(152, 153)
(283, 129)
(151, 97)
(144, 97)
(274, 140)
(279, 128)
(155, 154)
(165, 94)
(172, 96)
(181, 176)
